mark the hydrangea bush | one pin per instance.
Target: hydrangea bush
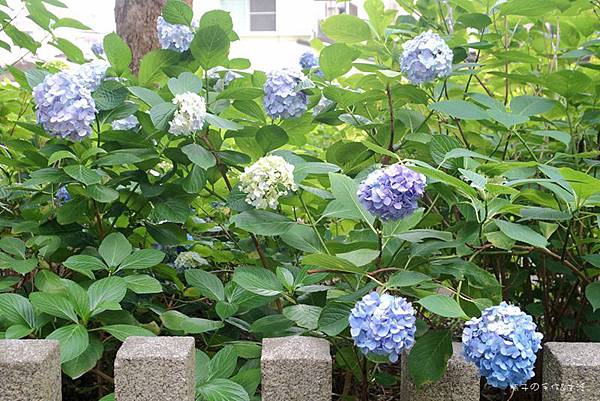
(434, 168)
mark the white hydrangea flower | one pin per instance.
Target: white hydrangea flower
(190, 114)
(189, 260)
(266, 181)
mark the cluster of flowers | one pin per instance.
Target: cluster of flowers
(282, 99)
(425, 58)
(310, 61)
(65, 106)
(125, 124)
(383, 325)
(174, 36)
(503, 343)
(392, 193)
(190, 114)
(266, 181)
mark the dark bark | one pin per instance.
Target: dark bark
(136, 24)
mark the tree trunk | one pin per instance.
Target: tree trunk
(136, 24)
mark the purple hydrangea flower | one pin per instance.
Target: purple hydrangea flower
(281, 98)
(174, 36)
(310, 61)
(91, 74)
(98, 49)
(65, 107)
(425, 58)
(62, 195)
(383, 325)
(391, 193)
(125, 124)
(503, 343)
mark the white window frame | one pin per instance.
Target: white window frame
(245, 30)
(251, 13)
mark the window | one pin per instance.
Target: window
(263, 15)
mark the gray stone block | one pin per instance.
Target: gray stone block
(30, 370)
(571, 372)
(459, 383)
(156, 369)
(296, 369)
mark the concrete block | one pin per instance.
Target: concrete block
(571, 372)
(296, 369)
(156, 369)
(30, 370)
(459, 383)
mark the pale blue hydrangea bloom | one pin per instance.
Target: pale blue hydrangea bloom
(189, 260)
(125, 124)
(503, 343)
(62, 195)
(91, 74)
(281, 98)
(174, 36)
(425, 58)
(309, 61)
(392, 193)
(98, 49)
(383, 325)
(65, 107)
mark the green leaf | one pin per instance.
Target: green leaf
(429, 357)
(262, 222)
(210, 46)
(303, 238)
(199, 156)
(222, 390)
(583, 185)
(521, 233)
(459, 109)
(114, 249)
(271, 324)
(271, 137)
(17, 310)
(592, 293)
(14, 246)
(69, 49)
(531, 105)
(187, 82)
(109, 95)
(85, 264)
(346, 204)
(330, 262)
(142, 259)
(407, 278)
(474, 20)
(334, 318)
(439, 175)
(152, 65)
(336, 60)
(527, 8)
(86, 361)
(117, 52)
(143, 284)
(219, 122)
(102, 194)
(346, 28)
(73, 341)
(82, 174)
(223, 364)
(122, 331)
(161, 115)
(208, 284)
(237, 93)
(177, 321)
(177, 12)
(442, 305)
(306, 316)
(105, 294)
(54, 305)
(148, 96)
(360, 257)
(71, 23)
(568, 83)
(258, 280)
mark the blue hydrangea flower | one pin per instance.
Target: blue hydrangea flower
(309, 61)
(174, 36)
(65, 107)
(91, 74)
(502, 343)
(383, 325)
(391, 193)
(425, 58)
(125, 124)
(62, 195)
(281, 98)
(98, 49)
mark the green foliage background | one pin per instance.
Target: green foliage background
(509, 144)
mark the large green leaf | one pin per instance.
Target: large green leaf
(117, 52)
(222, 390)
(106, 294)
(428, 359)
(443, 306)
(208, 284)
(177, 12)
(336, 60)
(86, 361)
(142, 259)
(460, 109)
(122, 331)
(258, 280)
(330, 262)
(54, 305)
(346, 28)
(114, 249)
(522, 233)
(346, 204)
(210, 46)
(592, 293)
(73, 341)
(305, 316)
(199, 156)
(262, 222)
(17, 309)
